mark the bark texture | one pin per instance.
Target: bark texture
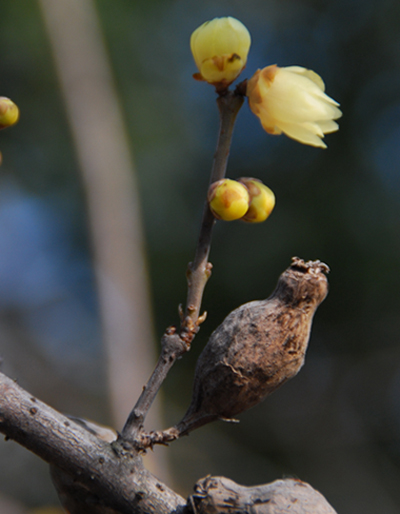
(97, 474)
(219, 495)
(112, 472)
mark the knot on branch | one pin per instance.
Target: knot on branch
(172, 344)
(220, 495)
(190, 324)
(145, 440)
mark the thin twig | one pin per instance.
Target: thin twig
(199, 270)
(172, 348)
(174, 345)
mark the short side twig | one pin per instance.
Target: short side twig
(172, 347)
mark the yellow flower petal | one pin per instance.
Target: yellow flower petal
(292, 100)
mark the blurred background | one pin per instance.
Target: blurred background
(101, 193)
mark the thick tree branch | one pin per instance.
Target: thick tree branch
(114, 472)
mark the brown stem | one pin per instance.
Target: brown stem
(199, 270)
(174, 345)
(172, 348)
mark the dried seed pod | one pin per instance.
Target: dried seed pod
(257, 348)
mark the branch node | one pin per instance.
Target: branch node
(146, 440)
(173, 346)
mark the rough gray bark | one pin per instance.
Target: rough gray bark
(113, 472)
(220, 495)
(94, 476)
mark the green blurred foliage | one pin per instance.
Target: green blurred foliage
(336, 425)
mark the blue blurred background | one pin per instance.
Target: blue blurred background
(337, 424)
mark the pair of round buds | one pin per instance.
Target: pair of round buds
(247, 199)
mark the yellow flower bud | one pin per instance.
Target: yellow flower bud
(9, 112)
(262, 200)
(220, 49)
(292, 100)
(228, 199)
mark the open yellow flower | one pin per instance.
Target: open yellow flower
(292, 100)
(220, 48)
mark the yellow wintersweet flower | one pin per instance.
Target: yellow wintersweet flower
(9, 112)
(220, 48)
(292, 100)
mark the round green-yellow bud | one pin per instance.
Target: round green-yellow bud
(220, 48)
(262, 200)
(9, 112)
(228, 199)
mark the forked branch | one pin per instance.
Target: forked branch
(176, 343)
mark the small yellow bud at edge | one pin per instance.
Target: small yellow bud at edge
(9, 112)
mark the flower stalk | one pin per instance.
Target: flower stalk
(199, 270)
